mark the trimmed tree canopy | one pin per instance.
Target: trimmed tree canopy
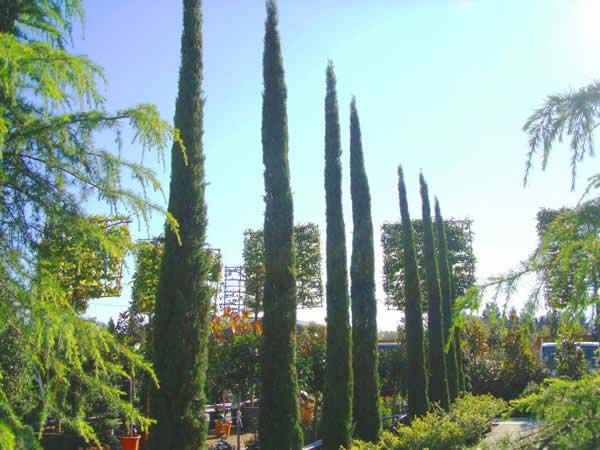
(460, 256)
(309, 283)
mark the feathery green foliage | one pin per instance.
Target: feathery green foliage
(367, 417)
(418, 397)
(49, 167)
(575, 114)
(446, 292)
(183, 299)
(438, 378)
(337, 407)
(279, 421)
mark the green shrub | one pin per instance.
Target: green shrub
(469, 418)
(569, 410)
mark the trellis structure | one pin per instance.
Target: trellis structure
(231, 290)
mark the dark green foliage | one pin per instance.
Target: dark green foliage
(418, 399)
(279, 426)
(446, 291)
(460, 257)
(309, 283)
(367, 417)
(570, 360)
(17, 371)
(183, 298)
(438, 379)
(519, 364)
(460, 362)
(337, 408)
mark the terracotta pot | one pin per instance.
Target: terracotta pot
(219, 428)
(308, 410)
(227, 428)
(130, 442)
(222, 428)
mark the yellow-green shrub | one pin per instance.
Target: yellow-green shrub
(469, 418)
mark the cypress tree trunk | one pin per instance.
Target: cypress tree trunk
(183, 297)
(418, 399)
(337, 407)
(438, 380)
(279, 422)
(367, 418)
(445, 288)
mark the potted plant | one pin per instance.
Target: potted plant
(130, 441)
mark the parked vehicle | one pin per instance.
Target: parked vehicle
(590, 350)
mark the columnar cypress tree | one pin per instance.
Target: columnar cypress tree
(438, 380)
(367, 418)
(446, 290)
(183, 297)
(462, 387)
(337, 407)
(279, 422)
(418, 399)
(457, 342)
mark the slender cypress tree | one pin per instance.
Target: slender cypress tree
(418, 398)
(446, 290)
(183, 297)
(438, 379)
(279, 422)
(367, 418)
(337, 406)
(462, 387)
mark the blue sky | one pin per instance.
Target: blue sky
(441, 85)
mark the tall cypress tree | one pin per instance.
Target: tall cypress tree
(279, 422)
(337, 407)
(446, 290)
(183, 297)
(462, 386)
(367, 418)
(438, 378)
(418, 398)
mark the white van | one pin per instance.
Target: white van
(548, 350)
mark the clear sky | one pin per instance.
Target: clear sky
(441, 85)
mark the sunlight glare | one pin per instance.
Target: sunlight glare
(588, 12)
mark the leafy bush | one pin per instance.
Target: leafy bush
(570, 360)
(469, 418)
(569, 410)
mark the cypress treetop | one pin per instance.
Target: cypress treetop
(337, 407)
(438, 381)
(418, 398)
(279, 421)
(367, 417)
(183, 297)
